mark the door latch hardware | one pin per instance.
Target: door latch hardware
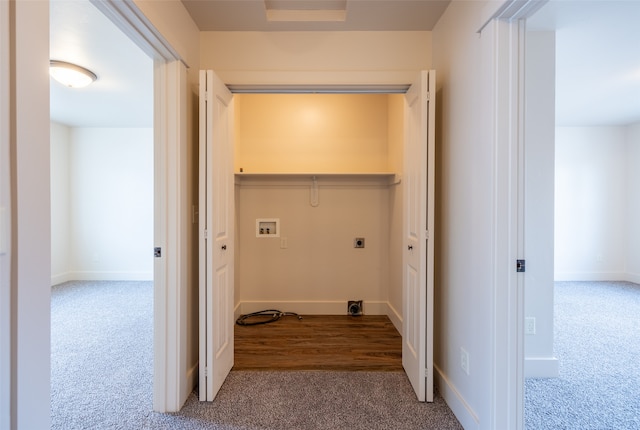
(520, 265)
(157, 252)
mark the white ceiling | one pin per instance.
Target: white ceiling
(122, 96)
(598, 53)
(597, 60)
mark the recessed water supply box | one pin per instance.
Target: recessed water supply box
(268, 227)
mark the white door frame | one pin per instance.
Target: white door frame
(504, 33)
(170, 379)
(508, 299)
(5, 231)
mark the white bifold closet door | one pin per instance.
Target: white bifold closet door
(216, 228)
(418, 211)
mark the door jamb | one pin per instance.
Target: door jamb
(508, 54)
(508, 301)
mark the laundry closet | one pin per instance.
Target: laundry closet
(309, 201)
(318, 202)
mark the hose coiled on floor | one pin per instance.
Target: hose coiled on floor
(273, 313)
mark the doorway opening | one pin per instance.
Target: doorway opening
(102, 204)
(319, 165)
(101, 151)
(326, 166)
(592, 150)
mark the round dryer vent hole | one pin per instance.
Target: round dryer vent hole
(354, 308)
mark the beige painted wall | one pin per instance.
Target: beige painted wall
(395, 151)
(309, 57)
(319, 269)
(320, 264)
(311, 133)
(176, 26)
(471, 206)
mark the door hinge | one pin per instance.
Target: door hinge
(206, 371)
(520, 266)
(205, 234)
(206, 96)
(428, 96)
(426, 234)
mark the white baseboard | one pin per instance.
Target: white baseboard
(103, 276)
(311, 308)
(541, 367)
(633, 277)
(395, 317)
(61, 278)
(456, 402)
(590, 276)
(192, 381)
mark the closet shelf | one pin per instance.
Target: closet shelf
(373, 178)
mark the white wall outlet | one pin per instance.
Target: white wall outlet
(530, 325)
(464, 360)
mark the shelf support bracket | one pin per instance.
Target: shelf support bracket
(313, 194)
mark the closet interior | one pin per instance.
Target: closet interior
(318, 200)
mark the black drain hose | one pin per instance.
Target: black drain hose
(275, 316)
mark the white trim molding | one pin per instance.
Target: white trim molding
(456, 402)
(130, 19)
(592, 276)
(505, 42)
(101, 276)
(633, 277)
(321, 308)
(7, 390)
(170, 294)
(337, 307)
(541, 367)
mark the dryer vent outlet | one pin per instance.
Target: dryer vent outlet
(354, 308)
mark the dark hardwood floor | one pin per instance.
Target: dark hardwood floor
(320, 342)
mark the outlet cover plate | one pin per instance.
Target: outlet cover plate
(530, 325)
(464, 360)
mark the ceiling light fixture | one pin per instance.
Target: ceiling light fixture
(71, 75)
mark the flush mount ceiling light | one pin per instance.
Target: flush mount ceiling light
(71, 75)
